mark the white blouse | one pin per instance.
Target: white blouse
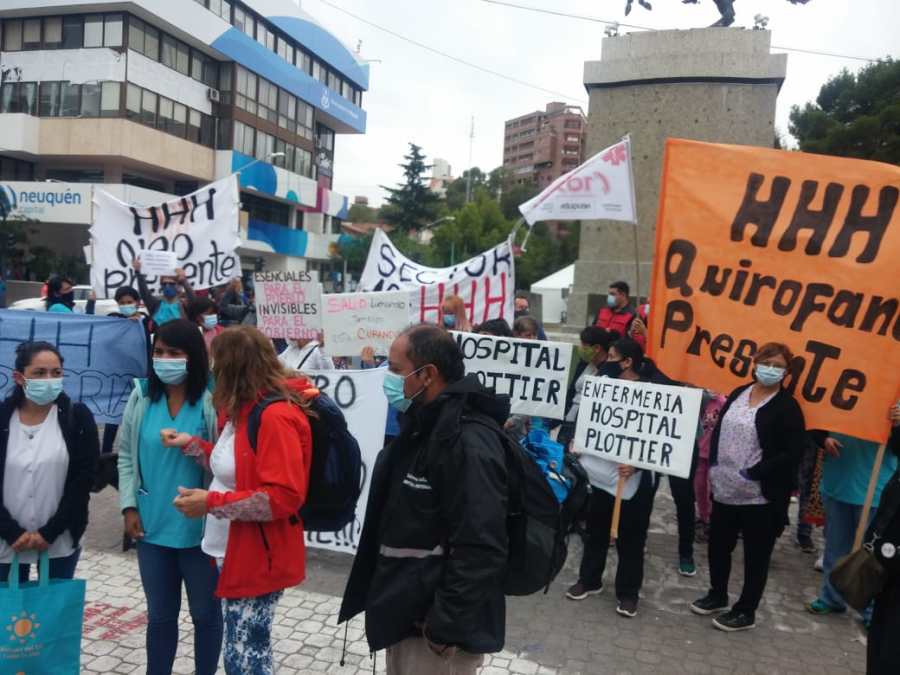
(221, 463)
(37, 462)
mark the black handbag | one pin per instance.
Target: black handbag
(860, 576)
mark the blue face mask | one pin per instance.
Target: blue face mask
(449, 321)
(169, 291)
(44, 391)
(170, 371)
(210, 321)
(127, 310)
(610, 300)
(393, 391)
(768, 376)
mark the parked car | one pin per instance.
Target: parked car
(103, 307)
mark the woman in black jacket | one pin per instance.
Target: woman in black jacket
(883, 657)
(48, 452)
(753, 457)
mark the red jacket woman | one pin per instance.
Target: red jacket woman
(252, 527)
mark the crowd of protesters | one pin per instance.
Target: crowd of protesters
(214, 512)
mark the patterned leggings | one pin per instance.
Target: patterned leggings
(248, 634)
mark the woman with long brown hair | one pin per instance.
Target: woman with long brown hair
(453, 314)
(254, 533)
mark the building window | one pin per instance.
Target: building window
(285, 50)
(48, 99)
(109, 99)
(143, 38)
(246, 90)
(90, 100)
(167, 55)
(303, 162)
(179, 114)
(304, 62)
(14, 169)
(53, 32)
(133, 102)
(325, 138)
(166, 117)
(193, 125)
(72, 32)
(112, 35)
(268, 100)
(93, 30)
(70, 96)
(319, 73)
(203, 69)
(76, 175)
(12, 35)
(207, 130)
(287, 111)
(31, 34)
(265, 145)
(244, 22)
(148, 108)
(304, 119)
(244, 138)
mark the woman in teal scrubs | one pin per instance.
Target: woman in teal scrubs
(168, 307)
(175, 396)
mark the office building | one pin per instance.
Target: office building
(541, 146)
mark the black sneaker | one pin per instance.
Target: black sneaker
(732, 622)
(709, 604)
(627, 608)
(578, 591)
(806, 544)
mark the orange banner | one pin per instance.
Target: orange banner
(756, 245)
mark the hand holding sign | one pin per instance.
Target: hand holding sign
(157, 263)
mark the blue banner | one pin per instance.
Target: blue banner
(102, 355)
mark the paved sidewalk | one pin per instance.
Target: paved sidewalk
(545, 633)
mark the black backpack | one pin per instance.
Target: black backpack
(336, 473)
(537, 524)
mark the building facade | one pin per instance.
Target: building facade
(540, 147)
(441, 176)
(150, 99)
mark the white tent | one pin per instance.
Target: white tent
(555, 293)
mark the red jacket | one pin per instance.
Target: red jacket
(266, 550)
(620, 322)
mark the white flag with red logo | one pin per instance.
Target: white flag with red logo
(601, 188)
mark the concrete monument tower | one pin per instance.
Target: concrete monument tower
(711, 84)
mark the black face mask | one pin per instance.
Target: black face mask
(68, 298)
(520, 312)
(611, 369)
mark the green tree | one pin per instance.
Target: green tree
(355, 250)
(515, 195)
(362, 213)
(854, 115)
(412, 205)
(456, 191)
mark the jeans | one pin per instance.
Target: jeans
(248, 634)
(841, 521)
(163, 569)
(60, 568)
(633, 523)
(760, 525)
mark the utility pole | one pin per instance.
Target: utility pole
(469, 177)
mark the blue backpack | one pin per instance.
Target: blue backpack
(336, 473)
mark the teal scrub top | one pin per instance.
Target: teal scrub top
(163, 471)
(167, 311)
(846, 478)
(59, 308)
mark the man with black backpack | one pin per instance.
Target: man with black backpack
(432, 559)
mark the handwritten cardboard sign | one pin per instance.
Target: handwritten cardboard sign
(352, 321)
(288, 304)
(650, 426)
(532, 373)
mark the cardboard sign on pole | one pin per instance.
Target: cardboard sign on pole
(288, 304)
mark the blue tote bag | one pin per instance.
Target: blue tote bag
(40, 623)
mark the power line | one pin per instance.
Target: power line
(456, 59)
(583, 17)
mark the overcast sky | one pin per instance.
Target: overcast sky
(429, 99)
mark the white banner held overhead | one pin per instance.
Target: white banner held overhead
(353, 321)
(360, 396)
(601, 188)
(534, 374)
(288, 304)
(200, 228)
(486, 283)
(649, 426)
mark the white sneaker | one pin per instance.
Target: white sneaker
(819, 565)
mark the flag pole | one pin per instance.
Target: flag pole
(637, 253)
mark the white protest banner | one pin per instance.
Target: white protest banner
(486, 283)
(650, 426)
(534, 374)
(602, 187)
(288, 304)
(158, 263)
(360, 396)
(200, 228)
(352, 321)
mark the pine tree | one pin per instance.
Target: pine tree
(412, 205)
